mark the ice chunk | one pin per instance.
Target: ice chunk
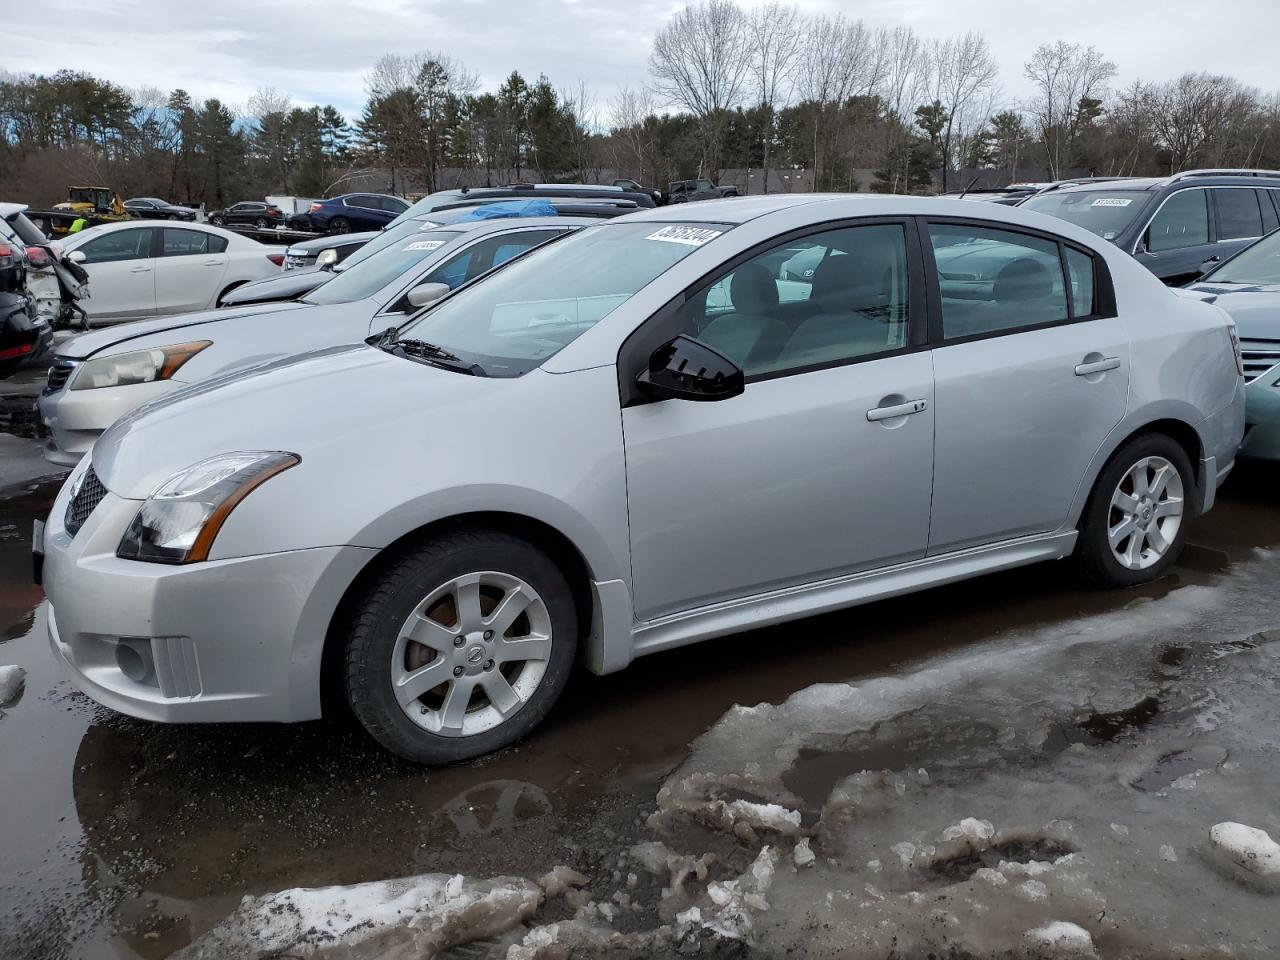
(559, 879)
(12, 680)
(1247, 853)
(1063, 939)
(1168, 853)
(803, 855)
(970, 829)
(419, 915)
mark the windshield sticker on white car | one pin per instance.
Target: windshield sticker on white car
(424, 245)
(1109, 235)
(689, 236)
(1111, 202)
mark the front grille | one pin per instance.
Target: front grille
(1259, 357)
(59, 374)
(84, 502)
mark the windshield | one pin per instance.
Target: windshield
(365, 272)
(1259, 263)
(1105, 212)
(514, 319)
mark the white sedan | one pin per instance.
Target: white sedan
(147, 269)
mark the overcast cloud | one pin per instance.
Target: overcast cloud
(319, 52)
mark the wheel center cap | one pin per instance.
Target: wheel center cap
(475, 655)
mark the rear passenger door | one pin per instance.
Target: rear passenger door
(1179, 237)
(1238, 219)
(1031, 375)
(822, 467)
(189, 270)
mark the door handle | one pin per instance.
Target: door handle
(897, 410)
(1097, 366)
(213, 263)
(140, 270)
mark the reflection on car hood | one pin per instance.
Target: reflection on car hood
(285, 286)
(316, 400)
(1254, 308)
(87, 344)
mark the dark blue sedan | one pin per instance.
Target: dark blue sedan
(355, 211)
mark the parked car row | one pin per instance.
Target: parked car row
(490, 448)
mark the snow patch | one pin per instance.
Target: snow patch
(803, 854)
(12, 680)
(419, 915)
(1065, 939)
(1247, 853)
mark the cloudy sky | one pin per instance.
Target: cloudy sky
(319, 52)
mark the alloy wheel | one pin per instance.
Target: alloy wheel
(1146, 513)
(471, 653)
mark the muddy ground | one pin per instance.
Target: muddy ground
(127, 839)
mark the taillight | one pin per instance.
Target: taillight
(272, 212)
(315, 207)
(276, 258)
(38, 257)
(6, 250)
(8, 353)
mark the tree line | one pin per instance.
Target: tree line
(766, 87)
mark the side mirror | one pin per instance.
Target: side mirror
(76, 256)
(425, 293)
(327, 259)
(687, 369)
(1210, 264)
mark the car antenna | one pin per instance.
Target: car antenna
(967, 187)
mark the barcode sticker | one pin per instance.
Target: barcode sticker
(689, 236)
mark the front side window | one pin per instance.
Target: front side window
(381, 261)
(995, 280)
(1183, 221)
(514, 319)
(704, 184)
(1104, 212)
(1238, 214)
(1259, 264)
(118, 245)
(830, 297)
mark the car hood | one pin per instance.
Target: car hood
(1254, 308)
(285, 286)
(324, 405)
(87, 344)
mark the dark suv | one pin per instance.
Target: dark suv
(1178, 226)
(682, 191)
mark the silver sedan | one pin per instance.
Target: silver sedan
(632, 439)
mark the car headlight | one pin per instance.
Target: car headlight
(181, 518)
(140, 366)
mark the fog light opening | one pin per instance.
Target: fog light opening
(134, 661)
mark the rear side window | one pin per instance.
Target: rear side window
(186, 243)
(1183, 221)
(994, 280)
(1239, 216)
(1081, 273)
(1269, 219)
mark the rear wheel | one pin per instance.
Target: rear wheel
(339, 225)
(460, 647)
(1134, 526)
(262, 223)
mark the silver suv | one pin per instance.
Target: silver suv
(634, 438)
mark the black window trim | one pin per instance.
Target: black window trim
(1104, 302)
(633, 354)
(1216, 227)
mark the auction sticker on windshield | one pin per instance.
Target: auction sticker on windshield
(1111, 202)
(425, 245)
(689, 236)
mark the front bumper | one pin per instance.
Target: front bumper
(74, 419)
(1262, 417)
(239, 639)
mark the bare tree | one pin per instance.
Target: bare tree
(628, 111)
(835, 65)
(776, 42)
(701, 61)
(963, 74)
(1064, 75)
(902, 84)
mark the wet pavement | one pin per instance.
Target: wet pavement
(127, 839)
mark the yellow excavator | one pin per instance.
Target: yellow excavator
(93, 205)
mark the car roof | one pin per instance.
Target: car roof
(104, 228)
(501, 223)
(7, 210)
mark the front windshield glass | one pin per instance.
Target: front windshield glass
(1105, 212)
(432, 201)
(383, 259)
(1259, 263)
(515, 318)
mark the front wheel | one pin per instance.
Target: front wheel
(460, 646)
(217, 221)
(1134, 525)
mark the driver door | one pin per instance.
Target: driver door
(823, 466)
(122, 281)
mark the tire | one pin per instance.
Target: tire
(339, 225)
(217, 221)
(458, 719)
(262, 223)
(1155, 523)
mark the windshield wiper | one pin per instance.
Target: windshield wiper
(427, 352)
